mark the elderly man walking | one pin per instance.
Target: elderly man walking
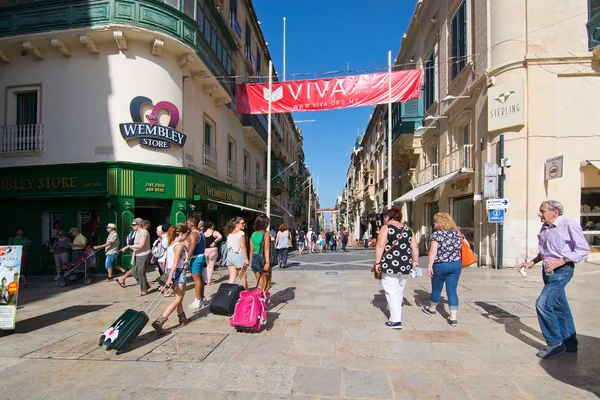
(78, 245)
(112, 251)
(561, 245)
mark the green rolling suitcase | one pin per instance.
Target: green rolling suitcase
(124, 330)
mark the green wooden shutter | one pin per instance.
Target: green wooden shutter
(27, 108)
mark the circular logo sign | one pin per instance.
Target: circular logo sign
(12, 287)
(553, 171)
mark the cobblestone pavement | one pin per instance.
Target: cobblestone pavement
(325, 339)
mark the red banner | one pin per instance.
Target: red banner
(324, 210)
(328, 94)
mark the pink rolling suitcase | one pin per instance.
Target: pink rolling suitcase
(250, 311)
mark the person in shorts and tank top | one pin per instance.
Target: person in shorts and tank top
(237, 255)
(260, 235)
(212, 238)
(396, 254)
(196, 261)
(301, 242)
(175, 264)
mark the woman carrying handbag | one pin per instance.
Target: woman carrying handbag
(444, 265)
(396, 254)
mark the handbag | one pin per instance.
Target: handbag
(273, 259)
(467, 255)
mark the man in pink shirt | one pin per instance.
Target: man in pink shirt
(561, 245)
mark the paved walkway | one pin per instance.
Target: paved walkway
(326, 339)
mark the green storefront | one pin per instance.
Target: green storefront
(88, 196)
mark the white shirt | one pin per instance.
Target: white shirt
(171, 255)
(234, 241)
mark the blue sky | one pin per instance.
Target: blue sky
(326, 35)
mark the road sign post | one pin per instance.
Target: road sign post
(496, 204)
(496, 216)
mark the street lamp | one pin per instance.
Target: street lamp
(434, 117)
(423, 128)
(451, 97)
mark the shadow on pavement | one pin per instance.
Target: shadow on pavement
(282, 296)
(581, 370)
(54, 317)
(422, 299)
(379, 301)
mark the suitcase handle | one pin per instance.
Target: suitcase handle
(156, 301)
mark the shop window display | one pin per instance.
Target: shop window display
(590, 217)
(463, 213)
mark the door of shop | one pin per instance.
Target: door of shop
(156, 211)
(430, 210)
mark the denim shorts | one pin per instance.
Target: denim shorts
(111, 261)
(234, 258)
(179, 277)
(255, 266)
(197, 264)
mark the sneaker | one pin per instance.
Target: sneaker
(570, 348)
(203, 302)
(194, 305)
(428, 310)
(57, 278)
(452, 322)
(394, 325)
(551, 351)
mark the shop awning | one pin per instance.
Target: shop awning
(421, 190)
(236, 206)
(282, 207)
(595, 163)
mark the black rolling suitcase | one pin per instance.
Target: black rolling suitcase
(124, 330)
(225, 299)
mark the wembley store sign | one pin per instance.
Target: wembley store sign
(152, 134)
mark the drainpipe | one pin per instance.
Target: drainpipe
(500, 244)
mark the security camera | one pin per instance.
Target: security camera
(506, 163)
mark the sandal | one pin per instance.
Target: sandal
(142, 294)
(108, 280)
(121, 284)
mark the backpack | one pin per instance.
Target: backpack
(131, 238)
(158, 250)
(272, 253)
(223, 255)
(250, 311)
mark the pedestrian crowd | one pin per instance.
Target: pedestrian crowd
(561, 245)
(195, 247)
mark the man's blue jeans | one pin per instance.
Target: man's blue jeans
(553, 311)
(447, 272)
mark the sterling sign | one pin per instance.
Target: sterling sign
(506, 106)
(151, 134)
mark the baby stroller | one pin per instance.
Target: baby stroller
(75, 271)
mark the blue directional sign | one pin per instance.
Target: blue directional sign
(496, 216)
